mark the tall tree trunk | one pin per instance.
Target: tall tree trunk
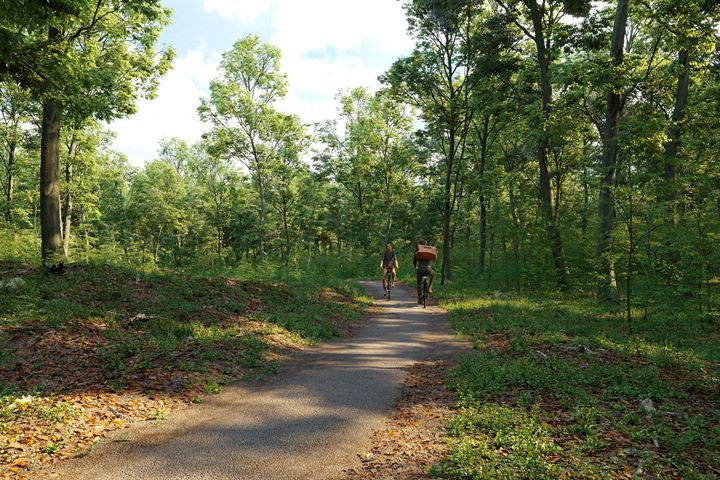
(447, 211)
(586, 202)
(483, 233)
(263, 212)
(607, 289)
(516, 235)
(68, 207)
(53, 256)
(548, 209)
(10, 182)
(286, 228)
(219, 231)
(671, 146)
(388, 208)
(483, 207)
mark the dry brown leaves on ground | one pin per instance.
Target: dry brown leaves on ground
(414, 437)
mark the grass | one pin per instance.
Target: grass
(559, 388)
(100, 346)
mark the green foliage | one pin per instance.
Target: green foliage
(208, 329)
(560, 375)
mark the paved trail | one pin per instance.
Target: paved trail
(309, 421)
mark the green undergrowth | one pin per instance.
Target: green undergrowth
(559, 388)
(107, 327)
(100, 346)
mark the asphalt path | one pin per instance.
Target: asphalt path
(311, 420)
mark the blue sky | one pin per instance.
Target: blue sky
(327, 45)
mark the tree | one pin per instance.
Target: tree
(541, 24)
(157, 206)
(290, 172)
(607, 291)
(241, 112)
(15, 109)
(216, 180)
(90, 58)
(83, 143)
(437, 79)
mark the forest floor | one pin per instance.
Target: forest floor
(555, 388)
(313, 419)
(100, 348)
(558, 388)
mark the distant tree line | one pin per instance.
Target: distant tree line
(566, 144)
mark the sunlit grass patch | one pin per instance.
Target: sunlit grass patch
(613, 401)
(498, 442)
(98, 347)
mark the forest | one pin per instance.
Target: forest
(575, 139)
(558, 149)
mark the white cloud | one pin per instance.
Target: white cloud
(173, 113)
(327, 45)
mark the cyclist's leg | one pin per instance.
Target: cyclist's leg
(394, 275)
(431, 274)
(384, 277)
(419, 285)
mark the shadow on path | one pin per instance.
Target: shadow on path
(307, 422)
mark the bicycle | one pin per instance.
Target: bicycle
(388, 281)
(425, 289)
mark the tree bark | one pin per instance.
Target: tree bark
(671, 146)
(53, 256)
(607, 289)
(548, 209)
(263, 212)
(286, 228)
(68, 207)
(388, 207)
(447, 209)
(10, 182)
(483, 206)
(483, 233)
(586, 202)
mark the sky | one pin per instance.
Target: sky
(326, 45)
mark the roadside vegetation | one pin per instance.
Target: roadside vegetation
(560, 388)
(104, 346)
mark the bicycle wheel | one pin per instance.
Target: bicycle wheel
(424, 292)
(388, 282)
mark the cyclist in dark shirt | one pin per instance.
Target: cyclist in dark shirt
(389, 262)
(423, 267)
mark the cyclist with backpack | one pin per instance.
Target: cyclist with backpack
(424, 255)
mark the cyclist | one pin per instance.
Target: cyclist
(389, 262)
(422, 267)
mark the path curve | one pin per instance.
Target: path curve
(309, 421)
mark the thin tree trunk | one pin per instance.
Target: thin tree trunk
(447, 210)
(286, 228)
(545, 185)
(483, 208)
(671, 146)
(68, 207)
(10, 186)
(586, 202)
(607, 289)
(388, 207)
(53, 256)
(516, 234)
(263, 211)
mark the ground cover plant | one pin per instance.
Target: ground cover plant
(559, 388)
(101, 346)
